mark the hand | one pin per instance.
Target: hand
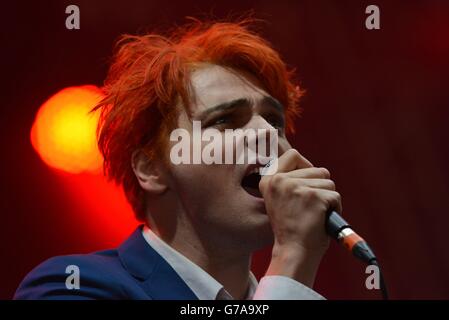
(297, 199)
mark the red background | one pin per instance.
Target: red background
(375, 114)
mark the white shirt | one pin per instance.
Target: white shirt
(205, 287)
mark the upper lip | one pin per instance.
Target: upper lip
(259, 164)
(250, 168)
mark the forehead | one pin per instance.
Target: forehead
(213, 85)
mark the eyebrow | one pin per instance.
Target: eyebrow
(241, 102)
(272, 102)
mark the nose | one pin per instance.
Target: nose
(259, 122)
(266, 138)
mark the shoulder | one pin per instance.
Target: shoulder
(83, 276)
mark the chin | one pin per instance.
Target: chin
(257, 233)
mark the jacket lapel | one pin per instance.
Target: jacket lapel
(158, 278)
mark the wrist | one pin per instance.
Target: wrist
(295, 262)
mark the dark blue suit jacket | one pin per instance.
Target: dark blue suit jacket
(132, 271)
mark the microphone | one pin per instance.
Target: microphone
(338, 229)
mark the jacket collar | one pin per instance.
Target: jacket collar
(159, 279)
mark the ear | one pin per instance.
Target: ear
(149, 174)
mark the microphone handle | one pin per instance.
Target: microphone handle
(338, 229)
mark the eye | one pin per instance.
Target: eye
(219, 121)
(276, 122)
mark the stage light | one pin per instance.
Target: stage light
(63, 133)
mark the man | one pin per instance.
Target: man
(202, 221)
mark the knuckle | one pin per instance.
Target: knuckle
(277, 179)
(336, 197)
(325, 173)
(310, 193)
(299, 191)
(293, 153)
(289, 187)
(276, 182)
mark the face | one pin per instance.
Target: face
(217, 198)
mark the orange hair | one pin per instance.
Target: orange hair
(149, 76)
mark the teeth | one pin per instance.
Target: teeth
(254, 170)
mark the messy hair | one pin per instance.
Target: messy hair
(149, 77)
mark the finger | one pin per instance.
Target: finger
(312, 173)
(333, 200)
(290, 160)
(326, 184)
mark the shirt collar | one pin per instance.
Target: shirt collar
(198, 280)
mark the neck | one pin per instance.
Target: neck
(229, 267)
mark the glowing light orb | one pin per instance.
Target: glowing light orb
(63, 133)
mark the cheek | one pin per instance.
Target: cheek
(202, 187)
(195, 177)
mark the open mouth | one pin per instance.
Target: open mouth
(251, 183)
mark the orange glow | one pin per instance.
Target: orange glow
(98, 209)
(63, 132)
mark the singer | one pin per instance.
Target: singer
(200, 222)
